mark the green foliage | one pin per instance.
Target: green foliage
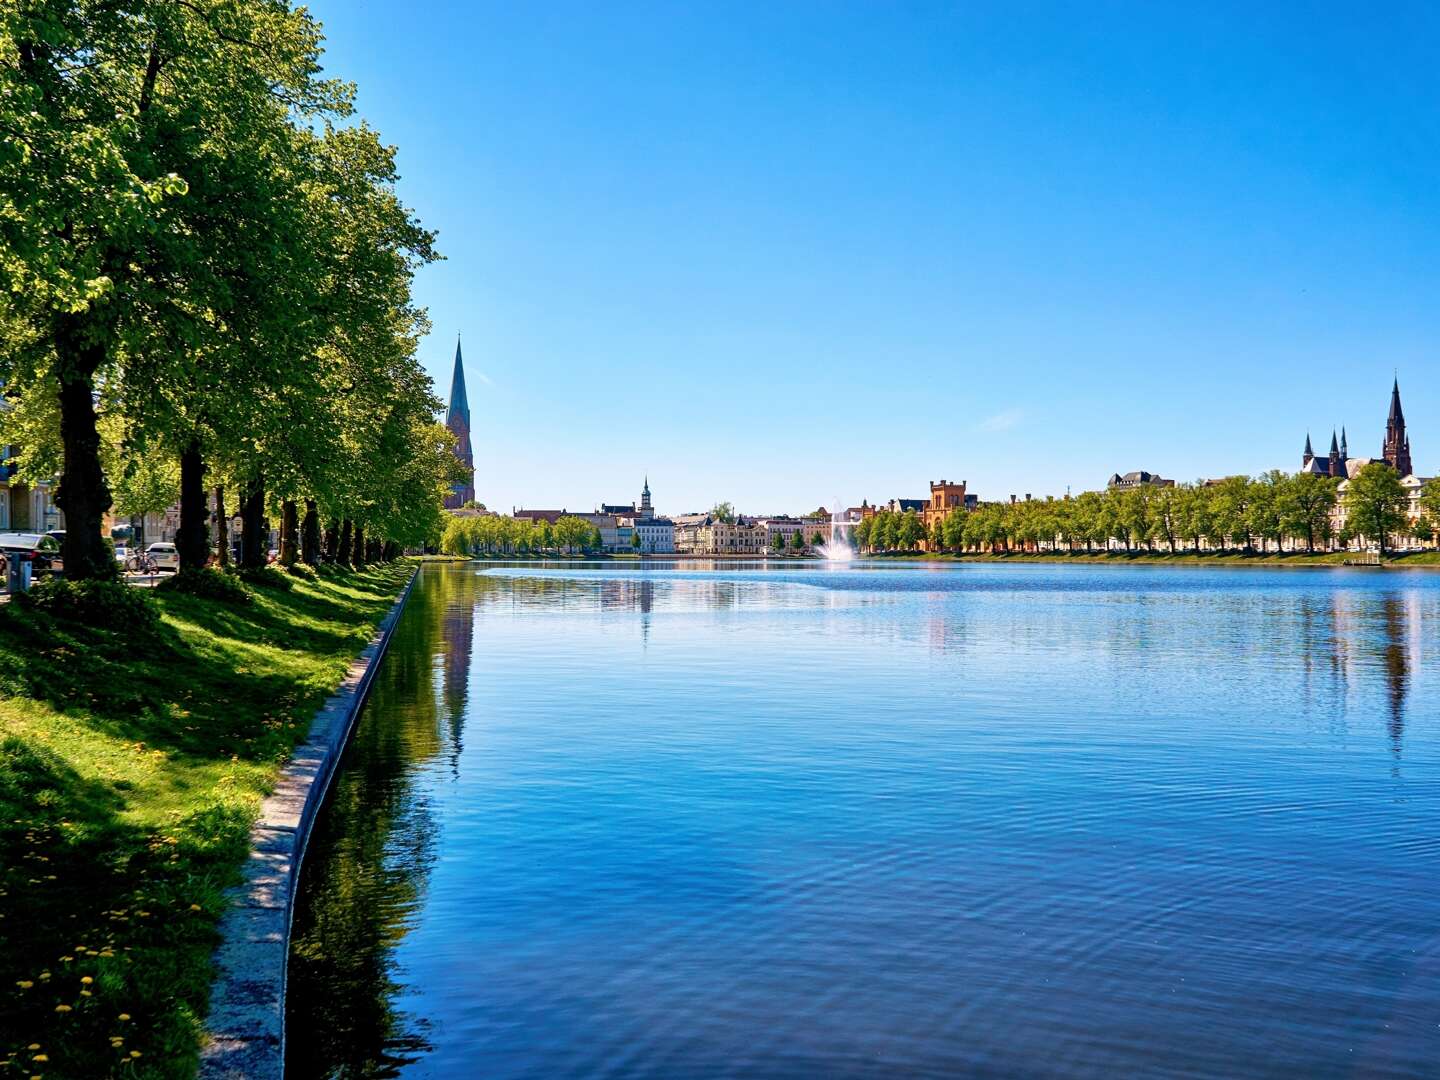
(1266, 513)
(110, 605)
(723, 511)
(193, 228)
(797, 541)
(1375, 504)
(208, 583)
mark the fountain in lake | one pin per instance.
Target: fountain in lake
(838, 548)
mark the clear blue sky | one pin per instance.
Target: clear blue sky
(780, 253)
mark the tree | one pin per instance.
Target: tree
(817, 539)
(778, 541)
(1430, 507)
(908, 531)
(861, 533)
(635, 541)
(723, 512)
(1375, 504)
(1307, 502)
(797, 540)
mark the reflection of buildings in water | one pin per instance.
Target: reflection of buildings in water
(459, 640)
(1378, 635)
(1395, 653)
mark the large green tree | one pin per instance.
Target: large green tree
(1375, 504)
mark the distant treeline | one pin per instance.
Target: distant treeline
(495, 535)
(1242, 513)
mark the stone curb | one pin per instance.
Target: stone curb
(245, 1032)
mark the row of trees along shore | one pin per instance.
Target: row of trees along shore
(1272, 512)
(496, 535)
(205, 283)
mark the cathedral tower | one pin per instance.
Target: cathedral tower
(1397, 443)
(458, 421)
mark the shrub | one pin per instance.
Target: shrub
(209, 583)
(109, 605)
(301, 570)
(267, 578)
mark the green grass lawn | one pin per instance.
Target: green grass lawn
(131, 767)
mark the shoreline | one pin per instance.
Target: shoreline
(245, 1025)
(1335, 560)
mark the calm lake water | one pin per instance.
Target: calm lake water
(885, 821)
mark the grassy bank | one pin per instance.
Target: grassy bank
(1329, 558)
(131, 767)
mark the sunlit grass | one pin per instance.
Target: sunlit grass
(131, 766)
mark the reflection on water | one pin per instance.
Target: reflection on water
(882, 821)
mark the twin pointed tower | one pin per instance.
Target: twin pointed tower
(458, 421)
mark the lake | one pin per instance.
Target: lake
(613, 820)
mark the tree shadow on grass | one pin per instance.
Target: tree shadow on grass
(101, 918)
(201, 697)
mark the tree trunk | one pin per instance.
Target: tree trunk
(342, 553)
(253, 539)
(82, 494)
(310, 535)
(374, 551)
(332, 541)
(357, 555)
(192, 538)
(289, 533)
(222, 528)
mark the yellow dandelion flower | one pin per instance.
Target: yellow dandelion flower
(86, 980)
(62, 1008)
(134, 1053)
(124, 1016)
(33, 1046)
(24, 984)
(44, 975)
(85, 993)
(194, 907)
(41, 1057)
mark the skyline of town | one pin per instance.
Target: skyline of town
(1394, 447)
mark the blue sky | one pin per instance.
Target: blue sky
(782, 253)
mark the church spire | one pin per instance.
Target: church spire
(1397, 443)
(457, 419)
(459, 402)
(1309, 453)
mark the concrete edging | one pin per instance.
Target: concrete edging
(246, 1026)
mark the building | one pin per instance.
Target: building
(25, 507)
(945, 497)
(786, 528)
(1395, 451)
(705, 534)
(1138, 479)
(457, 419)
(657, 535)
(1336, 463)
(643, 509)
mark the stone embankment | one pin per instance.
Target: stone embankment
(246, 1027)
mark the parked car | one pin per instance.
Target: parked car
(39, 550)
(165, 556)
